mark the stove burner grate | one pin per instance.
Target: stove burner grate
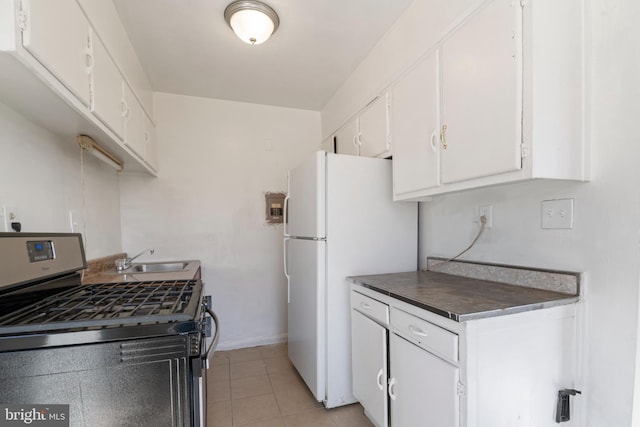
(107, 304)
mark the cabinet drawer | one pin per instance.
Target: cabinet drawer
(369, 307)
(425, 334)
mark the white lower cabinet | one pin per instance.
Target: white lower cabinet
(369, 354)
(423, 387)
(499, 371)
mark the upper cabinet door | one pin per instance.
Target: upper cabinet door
(415, 129)
(482, 94)
(373, 135)
(134, 124)
(151, 147)
(106, 88)
(57, 35)
(347, 139)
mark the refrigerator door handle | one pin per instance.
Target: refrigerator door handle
(286, 272)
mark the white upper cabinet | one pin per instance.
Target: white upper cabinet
(61, 73)
(106, 88)
(373, 128)
(347, 139)
(415, 125)
(56, 33)
(511, 98)
(368, 133)
(134, 123)
(151, 145)
(482, 94)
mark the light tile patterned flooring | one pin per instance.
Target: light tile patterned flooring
(258, 387)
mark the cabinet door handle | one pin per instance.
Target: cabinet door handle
(417, 331)
(90, 62)
(392, 391)
(365, 305)
(434, 143)
(379, 379)
(443, 136)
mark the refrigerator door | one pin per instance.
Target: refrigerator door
(306, 269)
(306, 198)
(367, 233)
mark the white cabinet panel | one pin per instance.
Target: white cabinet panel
(369, 359)
(134, 123)
(347, 139)
(151, 144)
(482, 94)
(57, 34)
(415, 129)
(373, 132)
(106, 88)
(423, 388)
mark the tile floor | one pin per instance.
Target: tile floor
(258, 387)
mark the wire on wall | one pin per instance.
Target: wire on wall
(483, 222)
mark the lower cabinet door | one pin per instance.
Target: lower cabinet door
(369, 360)
(422, 387)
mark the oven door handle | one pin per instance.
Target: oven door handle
(216, 336)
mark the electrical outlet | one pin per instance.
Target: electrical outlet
(12, 216)
(487, 211)
(557, 214)
(8, 214)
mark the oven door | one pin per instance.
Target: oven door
(200, 364)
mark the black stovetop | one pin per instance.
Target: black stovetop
(106, 305)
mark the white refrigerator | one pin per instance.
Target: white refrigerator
(340, 221)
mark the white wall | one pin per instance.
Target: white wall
(40, 176)
(605, 241)
(214, 168)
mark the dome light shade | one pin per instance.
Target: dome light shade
(252, 21)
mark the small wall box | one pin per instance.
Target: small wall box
(274, 207)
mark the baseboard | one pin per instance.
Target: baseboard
(251, 342)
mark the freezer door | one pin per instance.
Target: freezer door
(306, 198)
(306, 265)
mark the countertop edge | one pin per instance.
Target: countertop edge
(570, 299)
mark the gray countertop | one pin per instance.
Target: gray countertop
(461, 298)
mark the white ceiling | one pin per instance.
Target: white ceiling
(186, 47)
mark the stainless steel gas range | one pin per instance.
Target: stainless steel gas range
(119, 354)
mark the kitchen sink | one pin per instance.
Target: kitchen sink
(158, 267)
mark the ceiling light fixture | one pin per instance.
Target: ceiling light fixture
(251, 20)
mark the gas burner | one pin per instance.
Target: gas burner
(108, 304)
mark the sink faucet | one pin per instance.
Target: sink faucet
(124, 263)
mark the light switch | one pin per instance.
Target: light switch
(557, 214)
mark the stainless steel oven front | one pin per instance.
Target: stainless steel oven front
(119, 354)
